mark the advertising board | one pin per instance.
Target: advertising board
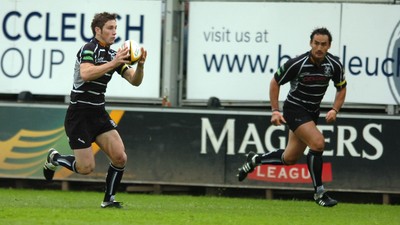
(206, 147)
(235, 57)
(39, 44)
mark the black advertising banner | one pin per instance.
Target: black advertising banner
(206, 147)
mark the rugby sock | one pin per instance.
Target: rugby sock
(67, 161)
(274, 157)
(314, 163)
(113, 179)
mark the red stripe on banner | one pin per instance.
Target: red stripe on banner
(288, 174)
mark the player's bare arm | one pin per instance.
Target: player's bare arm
(135, 76)
(277, 117)
(337, 105)
(90, 71)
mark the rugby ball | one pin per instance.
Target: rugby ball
(134, 50)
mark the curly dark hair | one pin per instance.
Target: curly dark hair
(322, 31)
(100, 19)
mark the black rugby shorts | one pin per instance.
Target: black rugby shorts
(296, 116)
(82, 126)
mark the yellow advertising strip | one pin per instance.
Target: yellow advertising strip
(35, 141)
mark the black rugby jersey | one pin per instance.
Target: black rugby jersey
(309, 82)
(91, 93)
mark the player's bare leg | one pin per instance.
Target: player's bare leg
(82, 162)
(111, 143)
(313, 138)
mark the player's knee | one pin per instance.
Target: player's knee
(287, 160)
(85, 169)
(120, 160)
(318, 145)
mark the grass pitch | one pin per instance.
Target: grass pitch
(21, 206)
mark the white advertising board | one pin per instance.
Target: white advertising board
(235, 50)
(371, 52)
(39, 44)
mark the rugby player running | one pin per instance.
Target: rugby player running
(309, 75)
(86, 119)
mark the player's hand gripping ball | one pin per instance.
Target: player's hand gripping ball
(134, 50)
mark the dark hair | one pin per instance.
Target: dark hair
(100, 19)
(322, 31)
